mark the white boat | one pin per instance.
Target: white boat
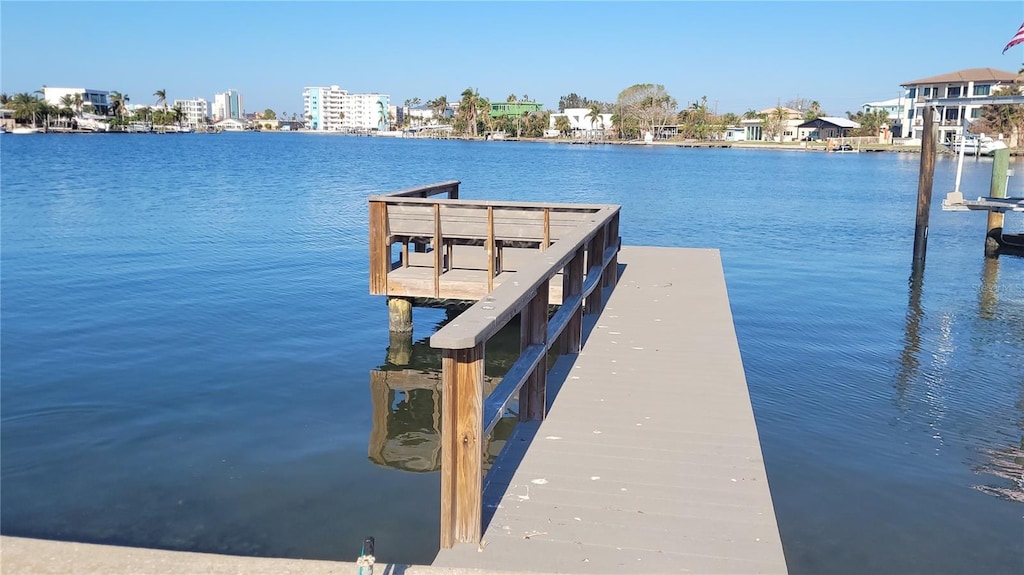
(26, 130)
(981, 145)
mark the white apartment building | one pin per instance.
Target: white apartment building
(331, 109)
(99, 99)
(196, 111)
(228, 104)
(970, 83)
(580, 121)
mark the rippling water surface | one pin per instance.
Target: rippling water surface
(187, 342)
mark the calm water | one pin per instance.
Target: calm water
(187, 342)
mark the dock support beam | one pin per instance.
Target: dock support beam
(462, 377)
(399, 315)
(997, 189)
(924, 187)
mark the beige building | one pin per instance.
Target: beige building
(970, 83)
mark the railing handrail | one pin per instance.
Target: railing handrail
(556, 206)
(487, 316)
(421, 192)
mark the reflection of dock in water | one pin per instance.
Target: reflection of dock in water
(406, 432)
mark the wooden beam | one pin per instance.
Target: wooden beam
(595, 263)
(534, 331)
(571, 339)
(490, 248)
(547, 229)
(462, 375)
(926, 176)
(380, 249)
(438, 250)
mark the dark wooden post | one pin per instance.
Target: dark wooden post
(996, 189)
(925, 178)
(611, 273)
(571, 339)
(380, 249)
(438, 251)
(595, 261)
(462, 376)
(534, 331)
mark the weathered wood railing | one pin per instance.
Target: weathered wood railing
(587, 257)
(415, 216)
(579, 241)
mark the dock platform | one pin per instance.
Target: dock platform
(648, 459)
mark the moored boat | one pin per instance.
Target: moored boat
(977, 145)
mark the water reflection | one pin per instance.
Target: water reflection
(909, 362)
(988, 294)
(406, 395)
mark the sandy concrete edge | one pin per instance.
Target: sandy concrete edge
(20, 555)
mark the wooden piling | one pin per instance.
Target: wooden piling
(925, 178)
(399, 315)
(462, 445)
(997, 189)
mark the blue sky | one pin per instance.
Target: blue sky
(741, 55)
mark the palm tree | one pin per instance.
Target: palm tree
(118, 105)
(513, 100)
(468, 109)
(67, 103)
(178, 114)
(438, 106)
(161, 98)
(595, 116)
(382, 116)
(78, 101)
(26, 107)
(4, 99)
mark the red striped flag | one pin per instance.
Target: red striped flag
(1017, 39)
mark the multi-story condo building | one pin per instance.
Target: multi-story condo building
(196, 111)
(97, 99)
(970, 83)
(228, 105)
(331, 109)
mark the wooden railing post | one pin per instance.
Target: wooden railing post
(453, 193)
(611, 273)
(438, 251)
(490, 248)
(462, 375)
(571, 339)
(380, 248)
(534, 331)
(595, 261)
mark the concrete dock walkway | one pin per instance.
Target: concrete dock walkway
(649, 459)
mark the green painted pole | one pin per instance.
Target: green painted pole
(997, 189)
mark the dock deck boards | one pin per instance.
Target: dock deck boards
(649, 459)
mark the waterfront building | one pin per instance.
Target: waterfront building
(231, 125)
(970, 83)
(196, 111)
(502, 109)
(228, 104)
(788, 132)
(580, 121)
(331, 109)
(98, 99)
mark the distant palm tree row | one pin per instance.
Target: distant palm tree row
(31, 108)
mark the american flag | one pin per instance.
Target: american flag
(1017, 39)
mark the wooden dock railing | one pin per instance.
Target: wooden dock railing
(415, 217)
(579, 242)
